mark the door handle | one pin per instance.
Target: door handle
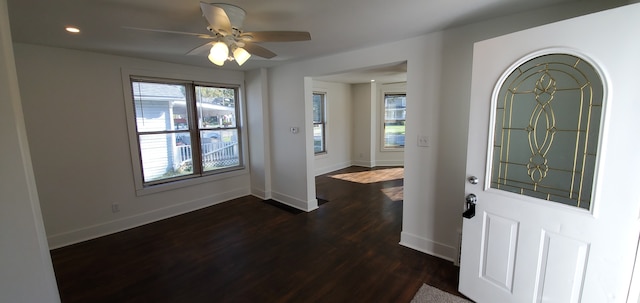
(471, 206)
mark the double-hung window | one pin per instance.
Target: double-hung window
(319, 123)
(185, 129)
(394, 120)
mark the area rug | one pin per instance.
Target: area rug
(429, 294)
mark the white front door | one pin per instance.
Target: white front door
(553, 143)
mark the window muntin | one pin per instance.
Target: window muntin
(394, 120)
(182, 123)
(319, 123)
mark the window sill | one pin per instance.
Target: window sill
(392, 149)
(152, 189)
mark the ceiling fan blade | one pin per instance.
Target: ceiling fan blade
(216, 17)
(202, 49)
(235, 14)
(276, 36)
(259, 51)
(204, 36)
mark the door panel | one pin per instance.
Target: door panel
(499, 250)
(561, 268)
(563, 229)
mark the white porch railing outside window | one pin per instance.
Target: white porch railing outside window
(214, 155)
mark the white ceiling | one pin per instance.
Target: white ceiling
(388, 73)
(335, 25)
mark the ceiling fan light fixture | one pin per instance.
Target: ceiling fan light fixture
(215, 61)
(241, 55)
(227, 40)
(219, 53)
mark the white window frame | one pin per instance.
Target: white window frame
(140, 186)
(323, 123)
(383, 146)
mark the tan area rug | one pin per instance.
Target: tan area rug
(429, 294)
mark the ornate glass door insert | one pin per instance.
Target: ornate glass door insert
(547, 125)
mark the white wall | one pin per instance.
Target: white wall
(26, 273)
(363, 144)
(75, 116)
(339, 124)
(258, 121)
(438, 82)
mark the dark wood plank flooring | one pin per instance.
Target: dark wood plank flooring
(247, 250)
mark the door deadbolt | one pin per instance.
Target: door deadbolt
(471, 206)
(471, 199)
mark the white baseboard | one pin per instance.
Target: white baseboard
(427, 246)
(379, 163)
(264, 195)
(389, 163)
(110, 227)
(296, 203)
(361, 163)
(334, 167)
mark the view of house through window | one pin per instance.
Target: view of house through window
(184, 129)
(394, 120)
(319, 123)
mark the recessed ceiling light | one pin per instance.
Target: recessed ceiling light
(72, 29)
(372, 80)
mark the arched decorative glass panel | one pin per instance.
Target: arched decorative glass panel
(547, 125)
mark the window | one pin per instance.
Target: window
(185, 129)
(547, 126)
(319, 123)
(394, 120)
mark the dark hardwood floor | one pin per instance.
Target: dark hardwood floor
(247, 250)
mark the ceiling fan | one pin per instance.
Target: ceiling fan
(228, 40)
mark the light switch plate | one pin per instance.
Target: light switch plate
(423, 141)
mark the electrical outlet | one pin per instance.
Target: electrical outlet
(423, 141)
(115, 207)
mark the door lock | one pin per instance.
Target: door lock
(471, 206)
(471, 199)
